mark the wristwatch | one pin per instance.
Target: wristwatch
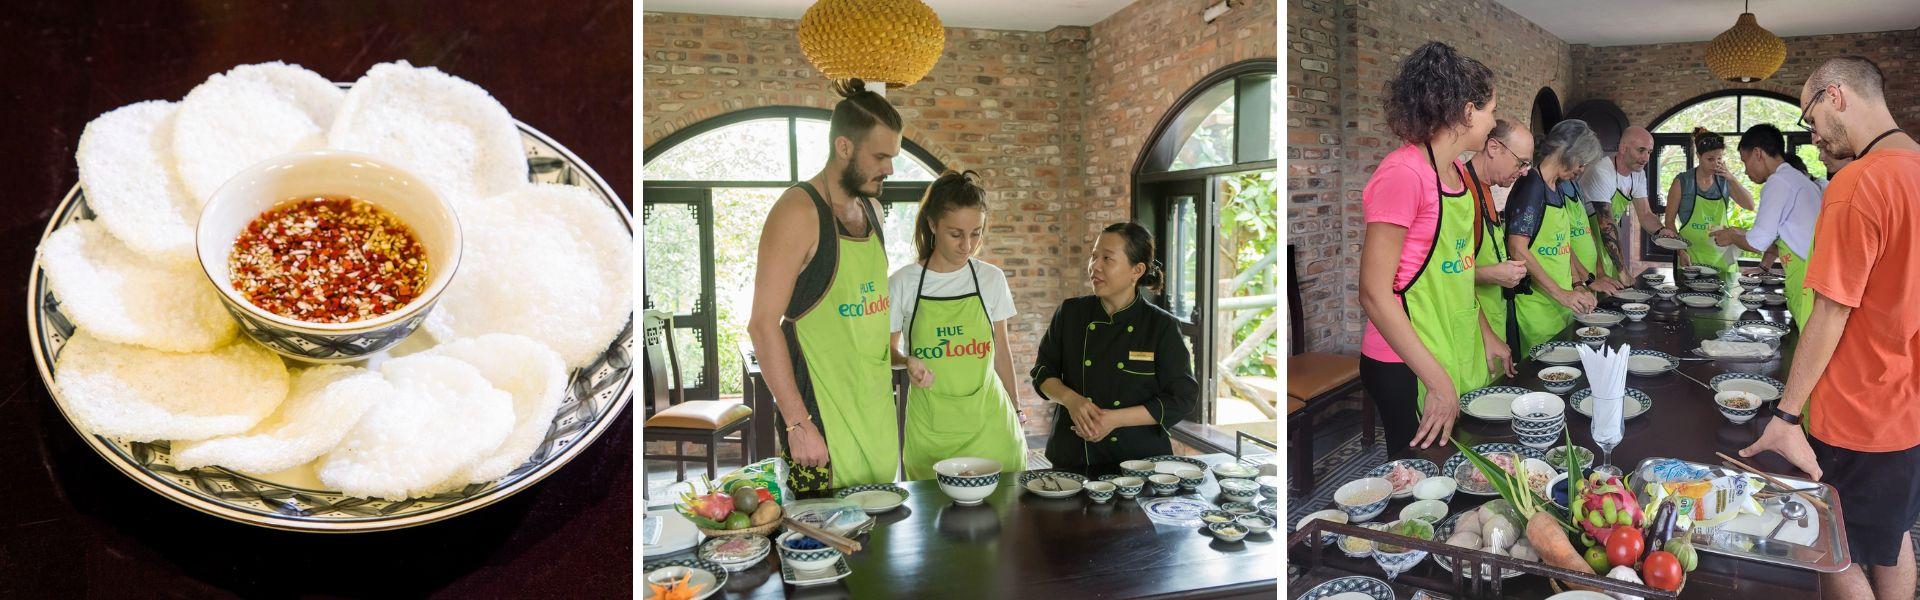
(1790, 418)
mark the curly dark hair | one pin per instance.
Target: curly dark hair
(1425, 97)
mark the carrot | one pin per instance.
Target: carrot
(1550, 541)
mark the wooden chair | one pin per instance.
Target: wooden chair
(675, 419)
(1315, 381)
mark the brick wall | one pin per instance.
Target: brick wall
(1053, 119)
(1343, 57)
(1647, 80)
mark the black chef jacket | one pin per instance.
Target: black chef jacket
(1135, 357)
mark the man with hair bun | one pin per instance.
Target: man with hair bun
(821, 306)
(1856, 372)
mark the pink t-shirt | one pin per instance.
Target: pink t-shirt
(1404, 192)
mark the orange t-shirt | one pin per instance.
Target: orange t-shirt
(1867, 256)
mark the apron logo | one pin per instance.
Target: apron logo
(1456, 266)
(949, 349)
(1702, 226)
(865, 306)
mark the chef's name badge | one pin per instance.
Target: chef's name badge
(1148, 356)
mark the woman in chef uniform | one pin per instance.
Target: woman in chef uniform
(1115, 367)
(952, 336)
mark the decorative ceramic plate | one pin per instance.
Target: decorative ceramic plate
(1029, 481)
(1494, 403)
(1239, 508)
(295, 500)
(1601, 318)
(1465, 483)
(1425, 468)
(736, 552)
(1177, 509)
(1767, 388)
(834, 572)
(1647, 363)
(1367, 587)
(710, 577)
(1557, 353)
(1757, 328)
(1639, 405)
(1699, 299)
(1170, 464)
(1704, 286)
(1670, 243)
(876, 498)
(1632, 295)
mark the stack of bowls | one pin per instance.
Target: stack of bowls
(1539, 418)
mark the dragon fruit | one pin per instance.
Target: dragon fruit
(1604, 505)
(708, 510)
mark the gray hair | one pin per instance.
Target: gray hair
(1572, 141)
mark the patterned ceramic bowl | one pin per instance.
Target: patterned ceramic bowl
(1738, 406)
(1191, 478)
(1100, 491)
(336, 173)
(968, 481)
(1228, 532)
(1137, 468)
(1164, 484)
(1239, 490)
(1330, 516)
(1128, 486)
(804, 560)
(1635, 310)
(1269, 486)
(1363, 499)
(1255, 523)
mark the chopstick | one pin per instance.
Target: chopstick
(1690, 378)
(1743, 466)
(844, 545)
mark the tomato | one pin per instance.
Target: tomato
(1624, 546)
(1662, 570)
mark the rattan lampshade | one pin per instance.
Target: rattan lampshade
(895, 41)
(1746, 53)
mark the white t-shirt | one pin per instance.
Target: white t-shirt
(993, 289)
(1789, 209)
(1601, 180)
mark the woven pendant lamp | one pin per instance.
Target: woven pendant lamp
(895, 42)
(1746, 53)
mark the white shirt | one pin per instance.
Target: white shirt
(993, 289)
(1789, 209)
(1601, 180)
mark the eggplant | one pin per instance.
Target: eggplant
(1660, 529)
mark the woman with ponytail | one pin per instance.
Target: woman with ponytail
(950, 314)
(1789, 209)
(1700, 203)
(1115, 368)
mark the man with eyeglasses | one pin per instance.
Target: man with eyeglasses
(1616, 196)
(1856, 371)
(1509, 155)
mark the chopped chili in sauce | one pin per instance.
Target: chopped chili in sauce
(328, 260)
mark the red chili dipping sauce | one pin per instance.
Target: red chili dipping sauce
(328, 260)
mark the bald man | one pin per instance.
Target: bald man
(1859, 357)
(1617, 198)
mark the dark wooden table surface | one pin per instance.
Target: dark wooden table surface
(1018, 545)
(72, 526)
(1684, 423)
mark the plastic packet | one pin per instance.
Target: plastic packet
(836, 516)
(770, 474)
(1711, 502)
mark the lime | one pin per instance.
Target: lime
(737, 520)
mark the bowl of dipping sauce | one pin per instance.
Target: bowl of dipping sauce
(328, 256)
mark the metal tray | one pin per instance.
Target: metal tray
(1828, 554)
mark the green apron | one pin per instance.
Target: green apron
(1704, 216)
(1493, 250)
(1541, 316)
(844, 339)
(1580, 234)
(1441, 302)
(1799, 299)
(966, 412)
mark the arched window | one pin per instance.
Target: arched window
(1205, 184)
(1728, 113)
(705, 195)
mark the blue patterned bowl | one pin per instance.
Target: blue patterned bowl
(1137, 468)
(968, 481)
(804, 560)
(269, 183)
(1164, 484)
(1100, 491)
(1269, 486)
(1363, 499)
(1371, 588)
(1191, 478)
(1129, 486)
(1239, 490)
(1228, 532)
(1738, 415)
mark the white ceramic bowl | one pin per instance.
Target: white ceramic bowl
(1559, 387)
(1753, 301)
(1364, 498)
(804, 560)
(1255, 523)
(1128, 487)
(964, 488)
(1431, 511)
(333, 173)
(1635, 310)
(1137, 468)
(1738, 415)
(1101, 491)
(1329, 515)
(1239, 490)
(1163, 484)
(1666, 291)
(1435, 488)
(1539, 406)
(1592, 335)
(1190, 477)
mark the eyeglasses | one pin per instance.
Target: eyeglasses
(1804, 110)
(1524, 163)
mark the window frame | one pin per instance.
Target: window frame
(703, 322)
(1155, 190)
